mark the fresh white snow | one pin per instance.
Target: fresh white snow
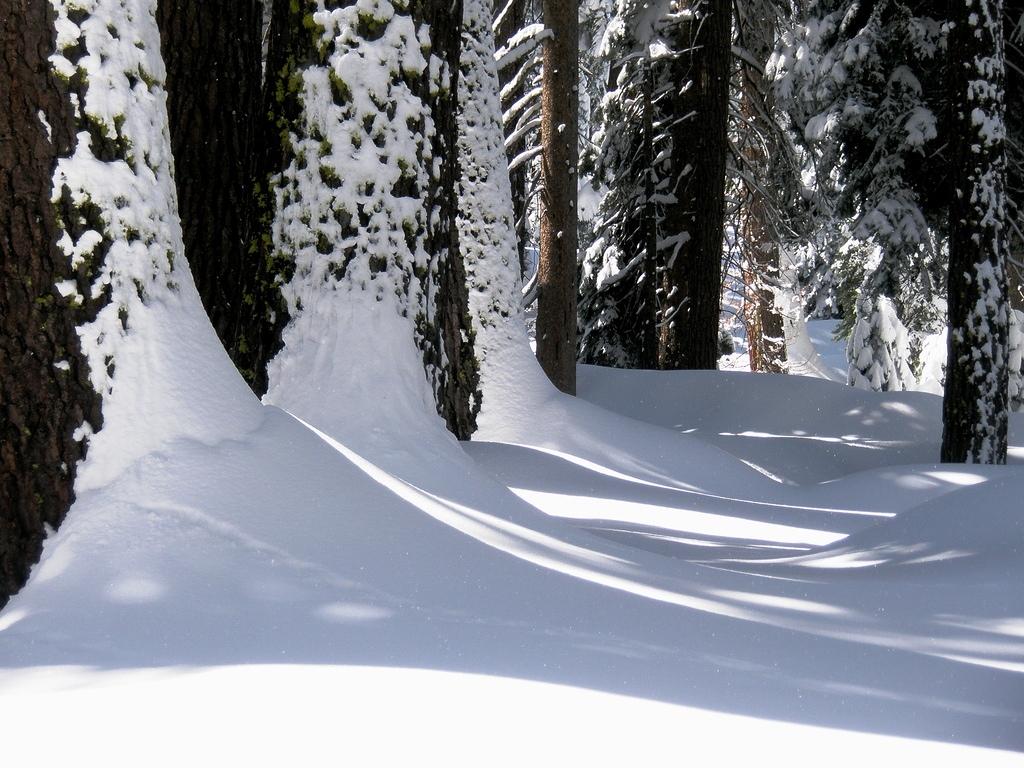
(674, 567)
(374, 593)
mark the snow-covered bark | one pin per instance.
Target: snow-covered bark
(486, 228)
(357, 214)
(975, 402)
(487, 236)
(1015, 358)
(151, 352)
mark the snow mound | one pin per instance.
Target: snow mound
(799, 429)
(980, 527)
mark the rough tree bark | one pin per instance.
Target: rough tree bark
(759, 236)
(45, 394)
(1013, 19)
(213, 53)
(458, 391)
(366, 243)
(691, 299)
(556, 297)
(974, 406)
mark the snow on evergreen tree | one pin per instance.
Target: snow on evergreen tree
(879, 348)
(865, 85)
(513, 383)
(363, 219)
(1013, 20)
(617, 303)
(519, 34)
(486, 226)
(487, 233)
(1015, 357)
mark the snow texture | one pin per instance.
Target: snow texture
(350, 216)
(152, 354)
(737, 568)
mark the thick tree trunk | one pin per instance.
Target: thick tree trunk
(556, 298)
(458, 389)
(213, 55)
(692, 285)
(974, 406)
(349, 246)
(1013, 18)
(45, 394)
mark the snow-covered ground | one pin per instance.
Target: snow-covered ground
(673, 567)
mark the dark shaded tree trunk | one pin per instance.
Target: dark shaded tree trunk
(1014, 33)
(556, 297)
(45, 392)
(691, 301)
(213, 55)
(974, 406)
(458, 390)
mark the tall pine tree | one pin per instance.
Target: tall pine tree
(974, 406)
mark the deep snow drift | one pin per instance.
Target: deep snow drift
(374, 592)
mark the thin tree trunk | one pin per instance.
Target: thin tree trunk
(974, 406)
(758, 233)
(511, 23)
(556, 298)
(45, 392)
(692, 285)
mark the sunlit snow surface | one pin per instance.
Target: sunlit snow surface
(364, 590)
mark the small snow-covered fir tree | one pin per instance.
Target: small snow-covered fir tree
(879, 347)
(1015, 357)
